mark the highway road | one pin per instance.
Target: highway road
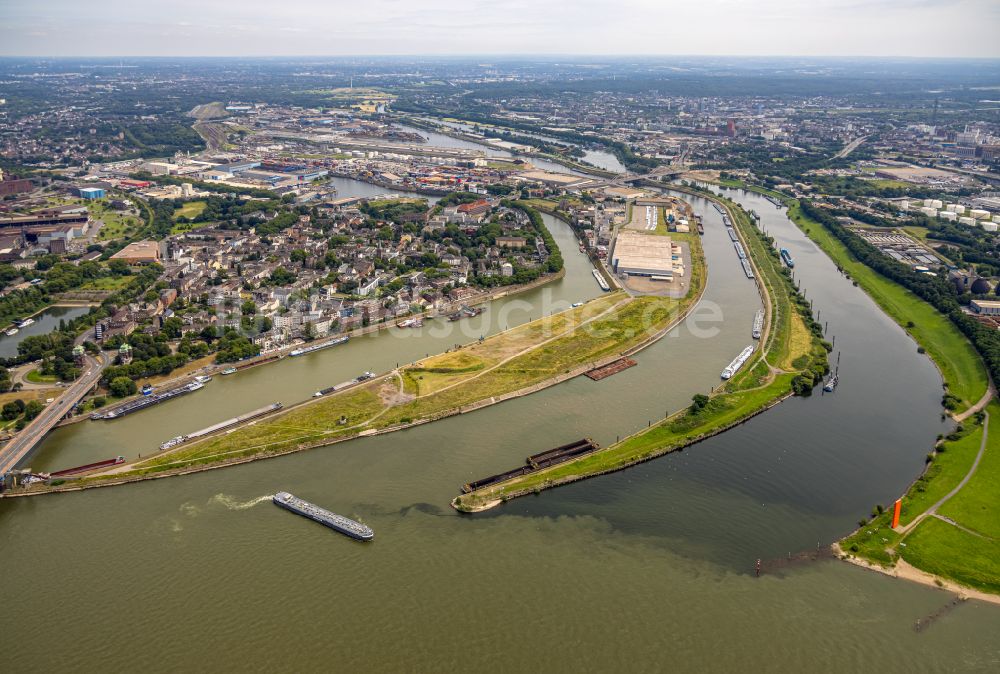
(850, 147)
(21, 445)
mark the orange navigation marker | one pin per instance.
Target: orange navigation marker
(895, 513)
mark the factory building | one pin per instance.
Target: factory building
(986, 307)
(643, 255)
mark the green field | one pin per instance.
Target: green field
(961, 367)
(945, 550)
(952, 461)
(106, 283)
(965, 550)
(977, 506)
(190, 209)
(36, 377)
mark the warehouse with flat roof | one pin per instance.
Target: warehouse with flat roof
(140, 252)
(643, 255)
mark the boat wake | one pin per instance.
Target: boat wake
(233, 504)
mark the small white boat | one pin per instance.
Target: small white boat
(11, 332)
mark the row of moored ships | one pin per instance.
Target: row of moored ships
(151, 399)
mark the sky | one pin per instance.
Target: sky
(929, 28)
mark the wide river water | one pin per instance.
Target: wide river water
(650, 569)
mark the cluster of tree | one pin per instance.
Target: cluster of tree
(55, 350)
(23, 412)
(57, 277)
(281, 277)
(233, 346)
(148, 367)
(395, 210)
(934, 290)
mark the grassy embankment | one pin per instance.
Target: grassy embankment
(531, 355)
(965, 550)
(789, 348)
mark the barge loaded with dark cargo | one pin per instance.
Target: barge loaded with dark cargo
(86, 468)
(536, 462)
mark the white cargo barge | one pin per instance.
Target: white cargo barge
(316, 347)
(600, 280)
(738, 362)
(221, 426)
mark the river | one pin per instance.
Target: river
(599, 158)
(45, 322)
(651, 566)
(441, 140)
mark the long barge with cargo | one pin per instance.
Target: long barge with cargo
(758, 324)
(221, 426)
(339, 523)
(341, 386)
(148, 401)
(86, 468)
(318, 347)
(737, 363)
(600, 280)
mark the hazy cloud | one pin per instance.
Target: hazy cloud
(649, 27)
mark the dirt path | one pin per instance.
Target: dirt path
(980, 405)
(968, 476)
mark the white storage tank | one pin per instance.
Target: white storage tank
(956, 208)
(996, 218)
(965, 220)
(933, 203)
(979, 214)
(990, 226)
(949, 216)
(929, 212)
